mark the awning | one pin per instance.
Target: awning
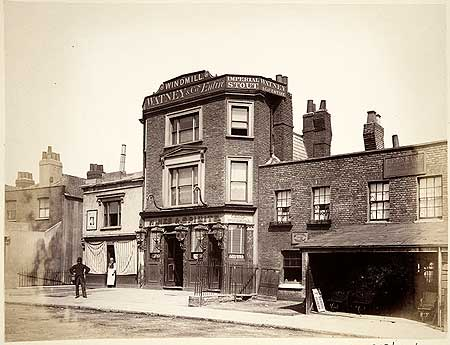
(426, 234)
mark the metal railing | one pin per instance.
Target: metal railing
(230, 279)
(43, 278)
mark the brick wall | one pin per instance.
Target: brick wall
(348, 177)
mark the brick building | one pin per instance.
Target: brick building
(42, 223)
(367, 228)
(204, 138)
(111, 206)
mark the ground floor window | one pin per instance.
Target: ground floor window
(236, 235)
(292, 266)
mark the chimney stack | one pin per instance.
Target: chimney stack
(50, 168)
(317, 130)
(24, 179)
(95, 171)
(395, 142)
(123, 153)
(373, 133)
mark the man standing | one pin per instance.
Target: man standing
(80, 272)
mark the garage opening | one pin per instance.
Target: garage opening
(391, 284)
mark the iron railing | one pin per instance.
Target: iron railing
(229, 279)
(43, 278)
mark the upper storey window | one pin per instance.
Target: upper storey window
(240, 118)
(321, 203)
(184, 127)
(379, 200)
(430, 197)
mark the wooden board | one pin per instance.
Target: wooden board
(319, 300)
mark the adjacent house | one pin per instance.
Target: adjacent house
(42, 225)
(369, 229)
(111, 206)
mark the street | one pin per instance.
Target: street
(33, 323)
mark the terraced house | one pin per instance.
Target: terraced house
(369, 229)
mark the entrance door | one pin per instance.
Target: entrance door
(215, 268)
(173, 270)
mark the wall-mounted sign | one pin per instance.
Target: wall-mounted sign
(319, 300)
(184, 80)
(186, 220)
(298, 237)
(172, 93)
(91, 220)
(404, 165)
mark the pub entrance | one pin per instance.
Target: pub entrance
(215, 267)
(173, 263)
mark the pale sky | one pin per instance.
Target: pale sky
(76, 74)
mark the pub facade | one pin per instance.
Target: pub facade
(204, 137)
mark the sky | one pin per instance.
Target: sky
(76, 74)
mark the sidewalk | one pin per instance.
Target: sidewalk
(175, 304)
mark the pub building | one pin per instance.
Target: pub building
(369, 229)
(204, 137)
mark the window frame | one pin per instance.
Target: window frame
(249, 182)
(313, 197)
(8, 210)
(289, 255)
(47, 214)
(250, 120)
(288, 201)
(376, 201)
(182, 162)
(424, 178)
(106, 214)
(240, 253)
(173, 116)
(174, 174)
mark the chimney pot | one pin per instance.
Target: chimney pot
(309, 106)
(279, 78)
(395, 142)
(323, 105)
(371, 116)
(314, 107)
(285, 80)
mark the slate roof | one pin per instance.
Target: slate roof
(424, 234)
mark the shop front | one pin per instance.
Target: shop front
(369, 275)
(177, 247)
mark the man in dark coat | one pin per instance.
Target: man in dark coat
(80, 271)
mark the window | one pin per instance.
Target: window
(292, 266)
(430, 197)
(196, 243)
(240, 118)
(44, 208)
(11, 207)
(183, 127)
(283, 199)
(182, 174)
(236, 234)
(321, 196)
(239, 185)
(379, 200)
(154, 241)
(182, 184)
(112, 215)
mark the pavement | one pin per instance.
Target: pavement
(174, 303)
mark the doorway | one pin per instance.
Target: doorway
(173, 268)
(215, 267)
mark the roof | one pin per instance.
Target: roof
(298, 149)
(116, 177)
(382, 235)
